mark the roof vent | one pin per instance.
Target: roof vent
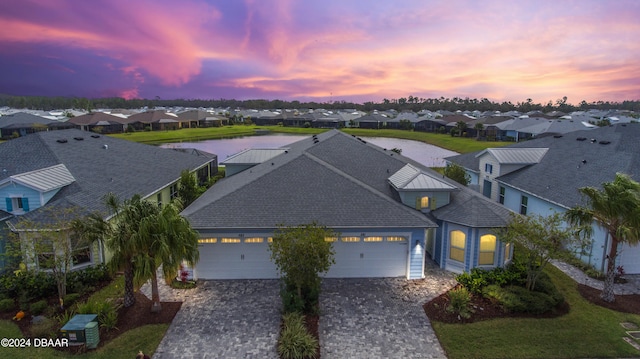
(557, 136)
(604, 142)
(106, 147)
(95, 136)
(584, 162)
(593, 140)
(581, 139)
(78, 138)
(62, 140)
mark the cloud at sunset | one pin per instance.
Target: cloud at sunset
(322, 50)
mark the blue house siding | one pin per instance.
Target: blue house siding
(594, 254)
(18, 191)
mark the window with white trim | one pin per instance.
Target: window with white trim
(457, 243)
(46, 253)
(173, 191)
(524, 202)
(80, 251)
(501, 195)
(487, 250)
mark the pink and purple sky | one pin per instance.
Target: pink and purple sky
(322, 50)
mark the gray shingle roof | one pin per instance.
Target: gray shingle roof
(468, 208)
(124, 168)
(337, 180)
(571, 163)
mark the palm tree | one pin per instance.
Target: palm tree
(124, 238)
(615, 209)
(167, 239)
(461, 126)
(478, 127)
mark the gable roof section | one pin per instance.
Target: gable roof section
(45, 179)
(468, 208)
(516, 156)
(99, 164)
(411, 178)
(313, 181)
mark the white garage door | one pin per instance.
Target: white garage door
(235, 258)
(358, 257)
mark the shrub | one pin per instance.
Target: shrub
(478, 278)
(102, 309)
(7, 305)
(65, 317)
(71, 299)
(460, 302)
(28, 285)
(38, 307)
(176, 284)
(520, 300)
(295, 341)
(109, 319)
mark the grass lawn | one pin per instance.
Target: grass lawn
(587, 331)
(145, 338)
(457, 144)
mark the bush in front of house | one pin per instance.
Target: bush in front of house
(479, 278)
(70, 299)
(295, 341)
(516, 299)
(28, 285)
(7, 305)
(38, 307)
(460, 300)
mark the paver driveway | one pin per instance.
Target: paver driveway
(224, 319)
(379, 318)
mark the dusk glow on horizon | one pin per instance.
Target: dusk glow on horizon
(329, 50)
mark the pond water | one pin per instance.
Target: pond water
(428, 155)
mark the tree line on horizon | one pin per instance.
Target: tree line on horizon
(409, 103)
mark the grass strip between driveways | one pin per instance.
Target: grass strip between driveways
(457, 144)
(587, 331)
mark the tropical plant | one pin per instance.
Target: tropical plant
(301, 253)
(460, 302)
(540, 238)
(457, 173)
(188, 189)
(616, 209)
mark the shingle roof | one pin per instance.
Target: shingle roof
(99, 164)
(335, 179)
(468, 208)
(578, 159)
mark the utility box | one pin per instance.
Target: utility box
(92, 335)
(75, 329)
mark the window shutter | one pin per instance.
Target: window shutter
(25, 204)
(9, 205)
(418, 199)
(432, 202)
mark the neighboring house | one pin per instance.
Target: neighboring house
(22, 124)
(543, 175)
(157, 120)
(100, 122)
(391, 212)
(47, 173)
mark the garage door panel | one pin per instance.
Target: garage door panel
(235, 261)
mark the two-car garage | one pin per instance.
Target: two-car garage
(248, 257)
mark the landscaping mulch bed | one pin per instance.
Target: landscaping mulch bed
(128, 318)
(486, 309)
(628, 303)
(483, 309)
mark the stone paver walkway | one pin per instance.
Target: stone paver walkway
(380, 317)
(631, 287)
(223, 319)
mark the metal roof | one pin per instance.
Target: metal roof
(516, 155)
(411, 178)
(254, 156)
(45, 179)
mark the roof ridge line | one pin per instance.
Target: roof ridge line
(366, 186)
